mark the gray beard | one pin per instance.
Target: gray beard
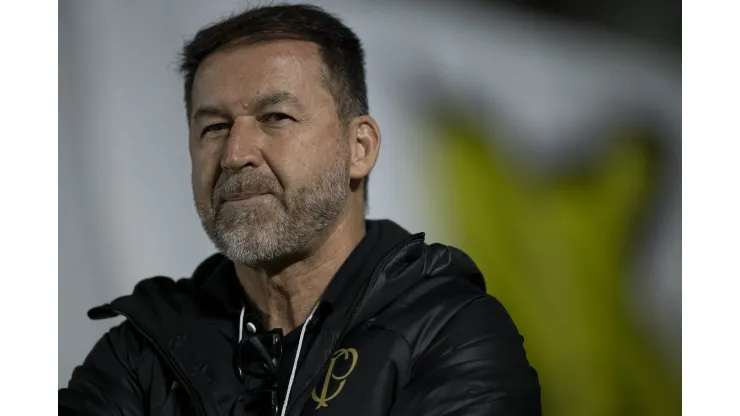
(260, 233)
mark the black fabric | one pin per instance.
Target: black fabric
(404, 327)
(380, 238)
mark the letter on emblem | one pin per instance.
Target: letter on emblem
(345, 354)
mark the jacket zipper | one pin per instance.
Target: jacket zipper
(381, 266)
(181, 377)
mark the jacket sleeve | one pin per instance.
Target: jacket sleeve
(476, 365)
(106, 384)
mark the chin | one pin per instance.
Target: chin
(248, 240)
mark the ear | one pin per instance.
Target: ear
(364, 139)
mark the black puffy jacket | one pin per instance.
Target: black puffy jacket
(413, 332)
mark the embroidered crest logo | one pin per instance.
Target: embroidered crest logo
(339, 361)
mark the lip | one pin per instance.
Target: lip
(236, 198)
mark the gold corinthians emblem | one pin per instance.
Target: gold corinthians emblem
(344, 354)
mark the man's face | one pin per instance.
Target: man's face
(270, 165)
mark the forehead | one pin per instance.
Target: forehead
(240, 73)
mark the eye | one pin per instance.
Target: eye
(215, 128)
(273, 118)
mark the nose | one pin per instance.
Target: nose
(243, 146)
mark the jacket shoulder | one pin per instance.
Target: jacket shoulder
(451, 288)
(152, 290)
(160, 289)
(108, 380)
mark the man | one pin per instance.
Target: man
(309, 308)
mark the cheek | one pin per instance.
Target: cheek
(199, 180)
(294, 164)
(303, 153)
(206, 168)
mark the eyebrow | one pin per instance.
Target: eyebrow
(208, 111)
(280, 97)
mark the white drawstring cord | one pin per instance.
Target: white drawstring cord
(295, 362)
(253, 329)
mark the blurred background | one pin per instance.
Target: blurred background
(543, 137)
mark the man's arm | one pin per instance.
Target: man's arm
(105, 383)
(475, 366)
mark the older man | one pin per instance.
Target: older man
(308, 308)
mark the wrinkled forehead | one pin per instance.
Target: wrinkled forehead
(241, 73)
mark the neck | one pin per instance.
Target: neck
(286, 295)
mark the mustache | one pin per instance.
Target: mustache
(240, 185)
